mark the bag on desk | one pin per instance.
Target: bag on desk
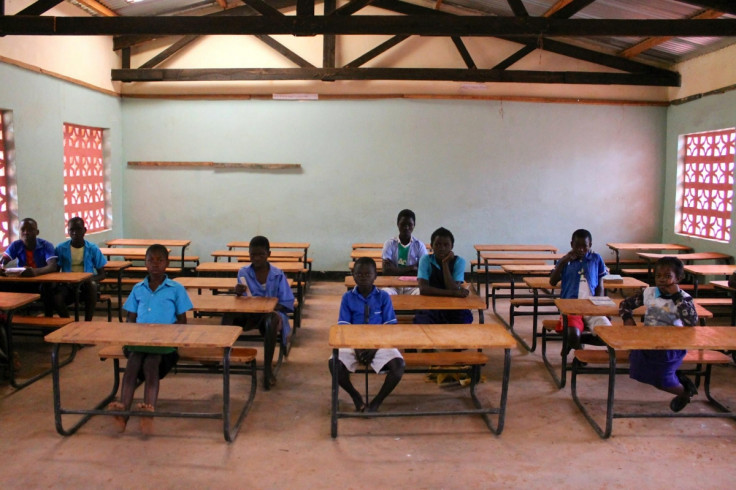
(572, 321)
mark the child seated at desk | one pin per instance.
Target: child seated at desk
(366, 304)
(401, 254)
(581, 271)
(263, 279)
(666, 305)
(78, 255)
(37, 256)
(157, 299)
(442, 274)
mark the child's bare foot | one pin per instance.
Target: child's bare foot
(118, 420)
(146, 422)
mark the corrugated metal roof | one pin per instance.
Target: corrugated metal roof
(668, 52)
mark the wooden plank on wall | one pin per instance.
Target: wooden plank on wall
(219, 165)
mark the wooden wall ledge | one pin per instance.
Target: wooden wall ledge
(244, 166)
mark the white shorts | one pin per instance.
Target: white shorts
(593, 321)
(394, 291)
(383, 356)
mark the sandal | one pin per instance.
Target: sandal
(119, 421)
(146, 422)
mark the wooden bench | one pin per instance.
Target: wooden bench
(40, 322)
(238, 355)
(702, 344)
(713, 301)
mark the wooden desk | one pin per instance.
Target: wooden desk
(537, 284)
(304, 246)
(584, 307)
(232, 268)
(387, 282)
(117, 267)
(276, 255)
(101, 333)
(72, 278)
(481, 248)
(723, 285)
(222, 303)
(404, 336)
(373, 254)
(643, 247)
(648, 338)
(137, 253)
(687, 258)
(9, 302)
(213, 283)
(513, 270)
(147, 242)
(708, 270)
(410, 302)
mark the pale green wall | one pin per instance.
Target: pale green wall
(707, 113)
(491, 172)
(40, 105)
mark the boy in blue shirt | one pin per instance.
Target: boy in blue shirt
(581, 271)
(442, 274)
(366, 304)
(263, 279)
(37, 256)
(401, 254)
(78, 255)
(157, 299)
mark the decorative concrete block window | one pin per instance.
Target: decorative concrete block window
(85, 186)
(705, 195)
(8, 198)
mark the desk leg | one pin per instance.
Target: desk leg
(120, 295)
(87, 414)
(76, 301)
(504, 394)
(577, 367)
(335, 387)
(558, 380)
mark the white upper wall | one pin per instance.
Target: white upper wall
(720, 69)
(88, 59)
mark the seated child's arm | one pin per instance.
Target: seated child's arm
(731, 280)
(181, 318)
(686, 311)
(131, 317)
(453, 286)
(627, 307)
(556, 274)
(51, 266)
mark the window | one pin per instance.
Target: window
(7, 187)
(706, 199)
(84, 176)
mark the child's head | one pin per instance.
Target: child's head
(157, 260)
(76, 230)
(668, 271)
(259, 250)
(29, 232)
(364, 272)
(581, 242)
(406, 222)
(442, 242)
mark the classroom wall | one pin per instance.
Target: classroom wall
(708, 113)
(40, 105)
(492, 172)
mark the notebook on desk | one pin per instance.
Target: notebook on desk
(602, 301)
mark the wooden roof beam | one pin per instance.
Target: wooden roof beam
(97, 7)
(651, 42)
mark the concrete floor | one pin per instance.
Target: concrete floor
(285, 441)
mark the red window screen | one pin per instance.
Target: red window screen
(84, 176)
(707, 194)
(4, 208)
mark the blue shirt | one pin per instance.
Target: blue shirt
(276, 285)
(427, 262)
(591, 266)
(378, 303)
(43, 252)
(94, 261)
(390, 252)
(161, 306)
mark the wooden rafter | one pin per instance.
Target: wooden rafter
(98, 7)
(557, 6)
(418, 74)
(422, 25)
(222, 3)
(651, 42)
(39, 7)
